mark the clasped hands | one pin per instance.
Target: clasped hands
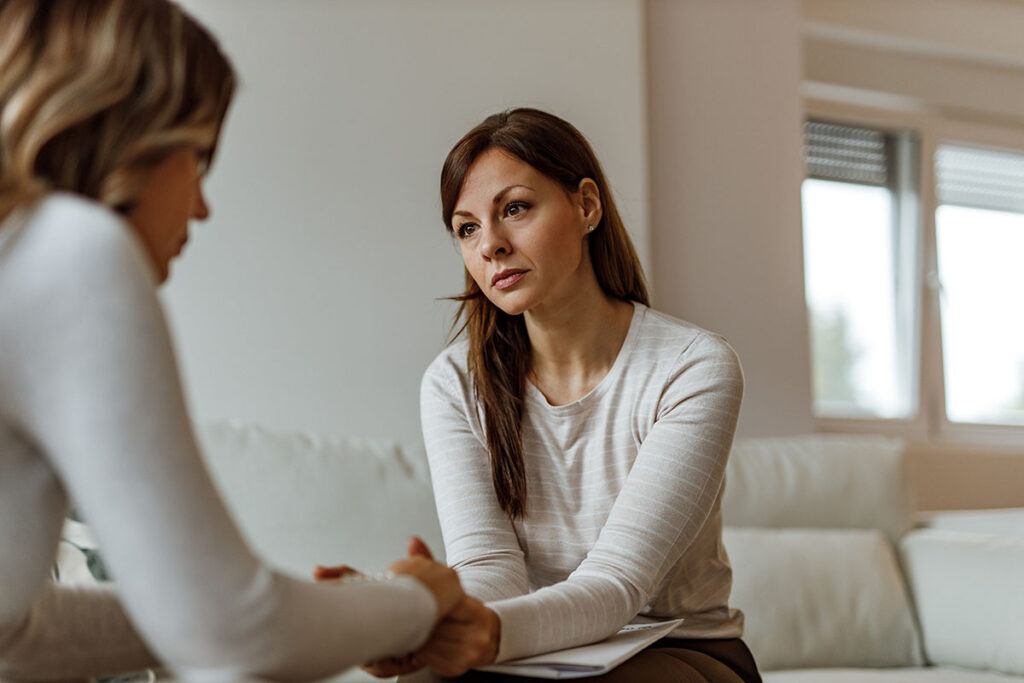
(466, 632)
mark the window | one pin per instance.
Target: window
(859, 260)
(979, 230)
(865, 272)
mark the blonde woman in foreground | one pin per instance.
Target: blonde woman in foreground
(577, 438)
(110, 112)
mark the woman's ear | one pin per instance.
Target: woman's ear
(589, 202)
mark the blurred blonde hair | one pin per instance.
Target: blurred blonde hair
(94, 93)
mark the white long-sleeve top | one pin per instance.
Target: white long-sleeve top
(623, 513)
(91, 407)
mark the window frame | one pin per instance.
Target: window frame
(930, 128)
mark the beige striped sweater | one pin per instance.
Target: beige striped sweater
(623, 514)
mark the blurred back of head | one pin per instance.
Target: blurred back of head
(95, 93)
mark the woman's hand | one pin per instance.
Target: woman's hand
(466, 639)
(440, 580)
(389, 667)
(332, 573)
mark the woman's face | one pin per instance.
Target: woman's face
(521, 235)
(171, 196)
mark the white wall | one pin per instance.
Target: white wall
(309, 300)
(726, 166)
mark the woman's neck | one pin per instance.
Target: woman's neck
(574, 343)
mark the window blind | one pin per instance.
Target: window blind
(846, 153)
(980, 178)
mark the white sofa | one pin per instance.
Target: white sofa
(839, 584)
(835, 583)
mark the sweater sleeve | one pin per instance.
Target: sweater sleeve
(86, 625)
(668, 495)
(95, 388)
(479, 539)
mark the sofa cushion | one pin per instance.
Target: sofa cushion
(303, 500)
(1001, 522)
(831, 481)
(821, 598)
(969, 590)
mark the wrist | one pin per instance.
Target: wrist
(495, 635)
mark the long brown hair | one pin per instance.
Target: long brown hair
(499, 348)
(94, 93)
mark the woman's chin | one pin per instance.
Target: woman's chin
(509, 306)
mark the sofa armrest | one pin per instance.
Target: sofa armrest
(970, 602)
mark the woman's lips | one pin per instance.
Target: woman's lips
(507, 278)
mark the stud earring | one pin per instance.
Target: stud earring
(590, 228)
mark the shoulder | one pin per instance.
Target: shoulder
(695, 369)
(447, 392)
(684, 360)
(448, 373)
(72, 242)
(684, 344)
(72, 267)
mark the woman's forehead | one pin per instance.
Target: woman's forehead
(494, 171)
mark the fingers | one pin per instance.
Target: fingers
(447, 661)
(417, 548)
(451, 658)
(447, 637)
(440, 580)
(322, 573)
(469, 610)
(467, 638)
(392, 666)
(412, 566)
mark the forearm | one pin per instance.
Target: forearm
(568, 614)
(480, 541)
(493, 579)
(310, 631)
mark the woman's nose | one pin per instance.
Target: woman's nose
(494, 243)
(200, 209)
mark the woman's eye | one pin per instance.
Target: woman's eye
(465, 230)
(203, 160)
(514, 209)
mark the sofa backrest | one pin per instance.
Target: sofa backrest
(823, 481)
(305, 499)
(811, 523)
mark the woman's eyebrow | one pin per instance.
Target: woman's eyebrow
(502, 193)
(497, 198)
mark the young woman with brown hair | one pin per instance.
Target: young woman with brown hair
(110, 111)
(577, 438)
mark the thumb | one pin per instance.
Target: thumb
(417, 548)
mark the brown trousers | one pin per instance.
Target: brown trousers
(670, 660)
